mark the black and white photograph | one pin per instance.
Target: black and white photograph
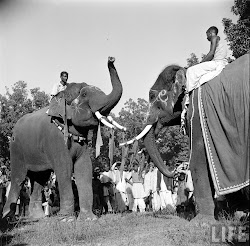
(124, 122)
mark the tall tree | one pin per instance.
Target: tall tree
(15, 104)
(40, 98)
(238, 35)
(192, 60)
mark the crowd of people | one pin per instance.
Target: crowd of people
(119, 189)
(116, 189)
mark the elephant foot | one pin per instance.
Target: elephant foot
(66, 219)
(37, 214)
(36, 211)
(83, 216)
(202, 220)
(206, 206)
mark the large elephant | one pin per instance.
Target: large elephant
(55, 138)
(166, 99)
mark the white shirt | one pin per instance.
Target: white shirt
(57, 88)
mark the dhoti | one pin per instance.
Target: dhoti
(203, 72)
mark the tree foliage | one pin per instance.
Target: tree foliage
(173, 145)
(192, 60)
(238, 35)
(15, 104)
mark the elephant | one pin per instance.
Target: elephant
(56, 138)
(167, 99)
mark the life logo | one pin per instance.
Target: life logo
(229, 234)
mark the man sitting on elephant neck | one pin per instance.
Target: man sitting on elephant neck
(210, 66)
(60, 86)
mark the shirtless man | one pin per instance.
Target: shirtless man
(211, 65)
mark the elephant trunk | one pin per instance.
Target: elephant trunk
(113, 98)
(149, 142)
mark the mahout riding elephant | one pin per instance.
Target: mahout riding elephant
(55, 138)
(219, 160)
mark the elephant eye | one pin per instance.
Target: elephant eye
(152, 97)
(84, 94)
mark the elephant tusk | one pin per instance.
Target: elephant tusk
(101, 118)
(116, 124)
(142, 134)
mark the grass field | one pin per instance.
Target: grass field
(149, 229)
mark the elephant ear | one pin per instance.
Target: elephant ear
(180, 78)
(58, 107)
(180, 84)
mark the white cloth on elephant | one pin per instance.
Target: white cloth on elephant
(205, 71)
(165, 195)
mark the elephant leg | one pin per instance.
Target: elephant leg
(18, 174)
(203, 185)
(63, 171)
(83, 176)
(35, 205)
(10, 206)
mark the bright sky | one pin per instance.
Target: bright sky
(39, 39)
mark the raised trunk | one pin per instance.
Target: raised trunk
(149, 142)
(108, 102)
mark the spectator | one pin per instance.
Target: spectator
(3, 185)
(150, 186)
(137, 189)
(128, 188)
(24, 199)
(121, 198)
(52, 179)
(164, 185)
(107, 180)
(97, 193)
(46, 200)
(54, 201)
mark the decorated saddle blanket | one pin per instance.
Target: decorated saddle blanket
(224, 113)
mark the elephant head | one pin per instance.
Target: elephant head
(79, 102)
(166, 103)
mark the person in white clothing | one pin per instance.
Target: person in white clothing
(121, 199)
(61, 85)
(210, 66)
(165, 191)
(127, 177)
(150, 187)
(107, 179)
(156, 200)
(137, 189)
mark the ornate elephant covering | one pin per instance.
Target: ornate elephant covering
(224, 114)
